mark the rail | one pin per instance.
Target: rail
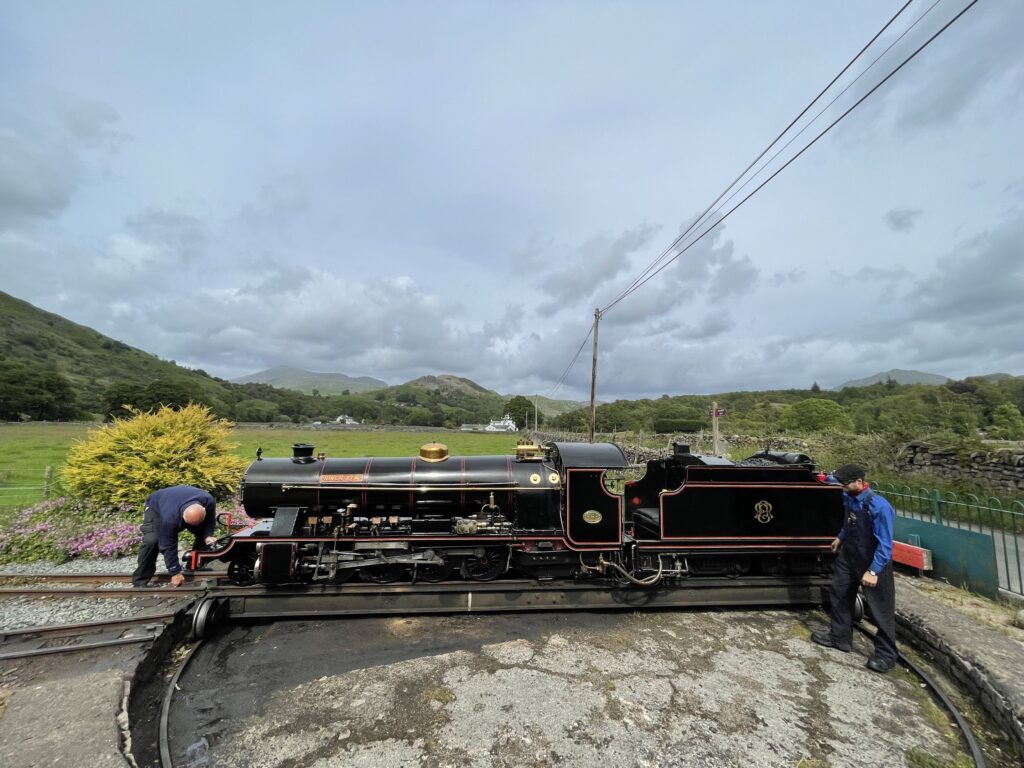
(1001, 520)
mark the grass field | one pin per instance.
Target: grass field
(26, 450)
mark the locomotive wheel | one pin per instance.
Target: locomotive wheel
(342, 575)
(243, 571)
(432, 574)
(773, 566)
(382, 574)
(487, 566)
(738, 567)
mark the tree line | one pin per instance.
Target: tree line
(964, 408)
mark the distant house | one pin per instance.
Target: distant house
(504, 424)
(347, 421)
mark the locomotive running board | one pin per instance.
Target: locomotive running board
(375, 600)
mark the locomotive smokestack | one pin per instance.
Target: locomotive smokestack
(302, 453)
(680, 449)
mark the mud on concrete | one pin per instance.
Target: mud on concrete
(719, 688)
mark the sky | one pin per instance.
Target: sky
(396, 189)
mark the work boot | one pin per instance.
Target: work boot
(881, 666)
(825, 638)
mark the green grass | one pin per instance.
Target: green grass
(27, 449)
(25, 452)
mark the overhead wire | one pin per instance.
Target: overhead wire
(764, 151)
(638, 284)
(825, 108)
(572, 362)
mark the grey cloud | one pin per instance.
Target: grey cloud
(37, 177)
(791, 277)
(279, 201)
(978, 56)
(183, 234)
(43, 162)
(593, 264)
(902, 219)
(982, 281)
(91, 123)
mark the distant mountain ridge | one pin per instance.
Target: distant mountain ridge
(898, 375)
(326, 383)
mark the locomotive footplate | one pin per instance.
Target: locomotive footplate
(523, 595)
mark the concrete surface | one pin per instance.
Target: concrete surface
(719, 688)
(722, 688)
(65, 724)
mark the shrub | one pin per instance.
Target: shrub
(125, 461)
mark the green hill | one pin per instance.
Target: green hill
(899, 376)
(325, 383)
(92, 363)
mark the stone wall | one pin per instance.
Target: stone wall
(1001, 470)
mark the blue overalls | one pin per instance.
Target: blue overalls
(866, 544)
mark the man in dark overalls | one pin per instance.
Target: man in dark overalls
(865, 558)
(169, 511)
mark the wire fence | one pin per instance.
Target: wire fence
(1003, 521)
(22, 487)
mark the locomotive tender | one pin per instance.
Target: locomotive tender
(544, 513)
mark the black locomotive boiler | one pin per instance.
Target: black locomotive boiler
(543, 513)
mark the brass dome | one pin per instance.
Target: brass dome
(434, 452)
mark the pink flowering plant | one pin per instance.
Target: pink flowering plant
(61, 529)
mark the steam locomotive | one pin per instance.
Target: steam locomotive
(545, 513)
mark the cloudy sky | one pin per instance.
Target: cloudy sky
(402, 188)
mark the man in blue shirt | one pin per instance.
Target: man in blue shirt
(169, 511)
(865, 558)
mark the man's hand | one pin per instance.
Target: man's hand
(836, 543)
(177, 579)
(869, 579)
(211, 540)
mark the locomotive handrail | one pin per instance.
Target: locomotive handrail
(410, 486)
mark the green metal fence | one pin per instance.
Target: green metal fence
(1003, 521)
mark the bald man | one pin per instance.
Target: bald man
(169, 511)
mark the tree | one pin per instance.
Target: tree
(33, 391)
(815, 388)
(1008, 422)
(817, 415)
(125, 461)
(521, 411)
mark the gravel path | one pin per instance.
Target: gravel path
(19, 612)
(82, 565)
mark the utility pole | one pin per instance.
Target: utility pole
(593, 377)
(714, 427)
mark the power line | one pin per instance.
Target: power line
(764, 151)
(641, 283)
(571, 363)
(822, 111)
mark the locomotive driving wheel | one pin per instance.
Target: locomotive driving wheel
(432, 573)
(485, 564)
(242, 571)
(382, 574)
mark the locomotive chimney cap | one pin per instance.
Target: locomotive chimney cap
(302, 453)
(434, 452)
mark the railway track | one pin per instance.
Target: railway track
(70, 638)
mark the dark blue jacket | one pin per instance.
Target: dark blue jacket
(868, 528)
(167, 505)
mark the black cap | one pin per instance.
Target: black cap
(849, 472)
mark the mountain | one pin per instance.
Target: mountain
(325, 383)
(90, 361)
(899, 376)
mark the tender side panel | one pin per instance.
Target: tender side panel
(751, 515)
